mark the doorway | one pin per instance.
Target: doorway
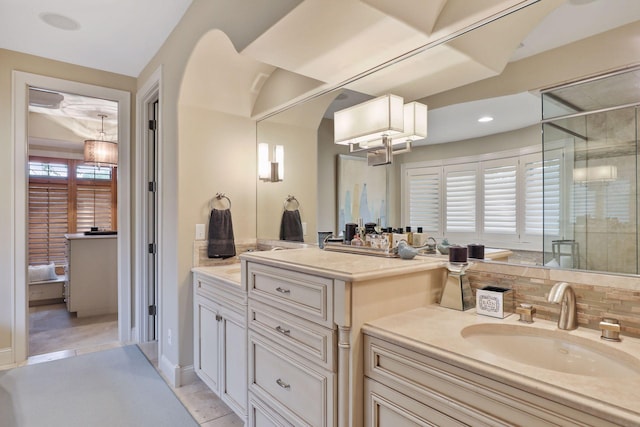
(21, 84)
(71, 222)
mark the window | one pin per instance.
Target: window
(66, 196)
(495, 200)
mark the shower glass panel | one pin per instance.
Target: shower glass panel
(590, 147)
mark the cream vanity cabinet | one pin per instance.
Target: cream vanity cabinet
(306, 307)
(410, 383)
(220, 335)
(92, 285)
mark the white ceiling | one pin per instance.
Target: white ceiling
(119, 36)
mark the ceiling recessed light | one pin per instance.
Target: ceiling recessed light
(59, 21)
(485, 119)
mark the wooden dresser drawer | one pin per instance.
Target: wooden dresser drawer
(308, 296)
(261, 415)
(298, 391)
(307, 339)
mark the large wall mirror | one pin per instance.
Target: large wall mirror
(494, 67)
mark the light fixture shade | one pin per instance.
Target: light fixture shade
(369, 120)
(270, 169)
(415, 123)
(101, 153)
(603, 173)
(264, 166)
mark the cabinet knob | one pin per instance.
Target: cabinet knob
(283, 290)
(282, 330)
(283, 384)
(218, 317)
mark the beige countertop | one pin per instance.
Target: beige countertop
(436, 332)
(342, 266)
(82, 236)
(228, 273)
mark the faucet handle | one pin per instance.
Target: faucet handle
(610, 328)
(526, 312)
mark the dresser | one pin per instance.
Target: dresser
(305, 312)
(92, 285)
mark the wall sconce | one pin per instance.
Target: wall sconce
(100, 152)
(270, 169)
(605, 173)
(377, 125)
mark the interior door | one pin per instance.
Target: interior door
(152, 221)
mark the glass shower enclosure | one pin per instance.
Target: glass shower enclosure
(590, 178)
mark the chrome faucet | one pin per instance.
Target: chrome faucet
(563, 294)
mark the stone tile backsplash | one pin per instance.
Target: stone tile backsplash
(598, 295)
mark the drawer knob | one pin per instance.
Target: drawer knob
(283, 384)
(283, 330)
(218, 317)
(283, 290)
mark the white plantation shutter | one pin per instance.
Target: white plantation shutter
(551, 190)
(618, 204)
(424, 195)
(48, 222)
(500, 191)
(460, 199)
(533, 195)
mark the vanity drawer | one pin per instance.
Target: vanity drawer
(307, 339)
(307, 296)
(384, 407)
(297, 390)
(218, 290)
(261, 415)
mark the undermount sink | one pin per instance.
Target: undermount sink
(552, 349)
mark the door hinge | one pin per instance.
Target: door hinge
(153, 186)
(152, 248)
(218, 317)
(152, 310)
(153, 124)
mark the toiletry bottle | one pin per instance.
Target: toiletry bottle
(399, 235)
(409, 234)
(419, 238)
(357, 241)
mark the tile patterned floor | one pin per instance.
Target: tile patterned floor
(56, 334)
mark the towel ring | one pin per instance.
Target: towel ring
(218, 198)
(291, 199)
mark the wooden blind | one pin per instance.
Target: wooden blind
(93, 207)
(66, 196)
(48, 222)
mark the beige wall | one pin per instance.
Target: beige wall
(183, 193)
(10, 61)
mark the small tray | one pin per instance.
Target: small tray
(360, 250)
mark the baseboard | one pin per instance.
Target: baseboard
(176, 376)
(6, 359)
(170, 371)
(187, 375)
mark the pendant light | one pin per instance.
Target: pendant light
(100, 152)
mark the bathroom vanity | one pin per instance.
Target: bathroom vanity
(220, 333)
(306, 308)
(459, 368)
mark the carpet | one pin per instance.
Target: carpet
(116, 387)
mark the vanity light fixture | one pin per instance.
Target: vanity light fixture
(604, 173)
(100, 152)
(270, 169)
(377, 125)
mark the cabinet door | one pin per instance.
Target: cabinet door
(234, 370)
(207, 349)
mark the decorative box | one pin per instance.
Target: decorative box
(494, 301)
